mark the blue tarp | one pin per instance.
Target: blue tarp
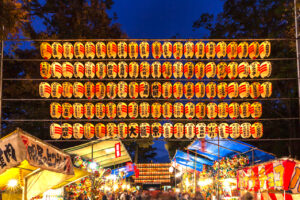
(122, 169)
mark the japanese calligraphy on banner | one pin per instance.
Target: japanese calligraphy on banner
(118, 150)
(20, 146)
(277, 175)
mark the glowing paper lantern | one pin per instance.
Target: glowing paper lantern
(133, 70)
(78, 70)
(167, 90)
(100, 70)
(122, 69)
(89, 131)
(78, 50)
(253, 50)
(133, 130)
(45, 70)
(188, 70)
(89, 70)
(67, 110)
(188, 90)
(144, 130)
(68, 50)
(55, 131)
(111, 90)
(178, 110)
(266, 89)
(100, 90)
(89, 110)
(67, 70)
(178, 130)
(133, 90)
(133, 50)
(221, 49)
(122, 110)
(78, 110)
(111, 110)
(144, 110)
(67, 131)
(55, 110)
(243, 70)
(167, 70)
(221, 70)
(46, 50)
(167, 110)
(244, 89)
(89, 90)
(177, 50)
(232, 70)
(156, 130)
(256, 110)
(256, 130)
(188, 50)
(67, 90)
(255, 90)
(201, 130)
(199, 50)
(245, 130)
(122, 89)
(156, 50)
(265, 69)
(122, 50)
(190, 130)
(111, 130)
(242, 50)
(212, 130)
(178, 90)
(210, 70)
(200, 110)
(211, 90)
(222, 110)
(167, 49)
(234, 110)
(100, 131)
(167, 130)
(111, 50)
(78, 131)
(210, 50)
(133, 110)
(199, 90)
(156, 70)
(245, 110)
(156, 110)
(156, 89)
(224, 130)
(56, 90)
(112, 70)
(90, 50)
(222, 90)
(200, 70)
(144, 89)
(265, 49)
(100, 110)
(212, 110)
(122, 130)
(100, 50)
(189, 110)
(233, 90)
(254, 70)
(234, 130)
(78, 90)
(177, 69)
(56, 70)
(232, 50)
(144, 70)
(144, 50)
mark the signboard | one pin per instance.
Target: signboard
(118, 150)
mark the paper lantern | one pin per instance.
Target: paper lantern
(256, 110)
(178, 90)
(201, 130)
(56, 90)
(78, 110)
(133, 110)
(212, 110)
(243, 70)
(265, 49)
(245, 110)
(67, 131)
(156, 110)
(211, 90)
(178, 110)
(111, 90)
(254, 70)
(266, 89)
(100, 50)
(156, 130)
(133, 130)
(221, 70)
(212, 130)
(100, 110)
(67, 90)
(177, 50)
(46, 50)
(188, 50)
(78, 50)
(100, 70)
(188, 70)
(210, 70)
(167, 130)
(177, 69)
(242, 50)
(55, 110)
(221, 49)
(233, 90)
(144, 50)
(56, 70)
(188, 90)
(256, 130)
(190, 130)
(144, 89)
(244, 89)
(122, 69)
(133, 90)
(90, 50)
(167, 90)
(45, 70)
(232, 50)
(111, 130)
(89, 90)
(224, 130)
(144, 130)
(122, 130)
(78, 131)
(178, 130)
(55, 131)
(167, 110)
(167, 70)
(78, 70)
(144, 70)
(68, 50)
(133, 50)
(89, 70)
(234, 110)
(89, 110)
(122, 89)
(199, 50)
(232, 70)
(156, 70)
(156, 89)
(100, 131)
(245, 130)
(112, 70)
(67, 70)
(89, 131)
(200, 90)
(253, 50)
(200, 70)
(210, 50)
(122, 50)
(200, 110)
(234, 130)
(156, 50)
(222, 110)
(134, 70)
(111, 50)
(265, 69)
(100, 90)
(111, 110)
(122, 110)
(222, 90)
(167, 49)
(255, 90)
(189, 110)
(78, 90)
(67, 110)
(144, 110)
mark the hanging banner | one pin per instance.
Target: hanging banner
(118, 150)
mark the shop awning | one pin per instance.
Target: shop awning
(102, 152)
(218, 148)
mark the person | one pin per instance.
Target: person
(104, 197)
(247, 196)
(123, 195)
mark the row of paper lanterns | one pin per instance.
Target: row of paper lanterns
(151, 177)
(153, 181)
(153, 165)
(164, 90)
(122, 50)
(167, 70)
(155, 130)
(156, 110)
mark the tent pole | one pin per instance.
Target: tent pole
(195, 181)
(1, 80)
(218, 177)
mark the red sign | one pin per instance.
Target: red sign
(118, 150)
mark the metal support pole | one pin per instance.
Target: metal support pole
(1, 81)
(218, 177)
(297, 50)
(195, 182)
